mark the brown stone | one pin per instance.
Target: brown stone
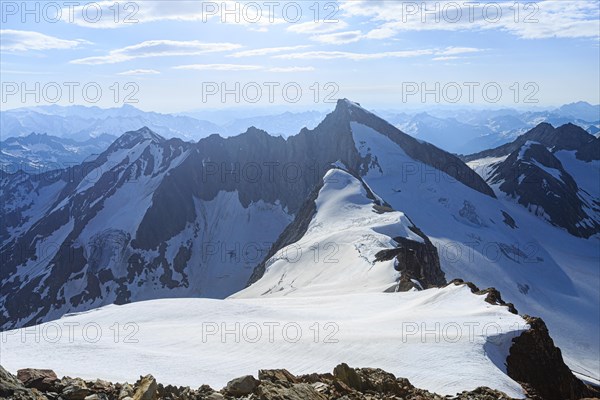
(41, 379)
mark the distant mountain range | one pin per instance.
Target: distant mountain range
(457, 131)
(41, 151)
(470, 131)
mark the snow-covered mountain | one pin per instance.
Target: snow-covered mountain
(81, 123)
(41, 151)
(461, 131)
(470, 131)
(181, 340)
(554, 173)
(153, 218)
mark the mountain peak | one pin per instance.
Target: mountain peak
(345, 104)
(132, 138)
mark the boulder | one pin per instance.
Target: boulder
(40, 379)
(299, 391)
(75, 392)
(276, 375)
(146, 388)
(348, 376)
(12, 388)
(242, 386)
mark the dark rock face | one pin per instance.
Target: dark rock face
(416, 262)
(537, 179)
(538, 365)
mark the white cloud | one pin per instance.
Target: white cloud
(334, 55)
(131, 13)
(157, 48)
(317, 27)
(449, 51)
(15, 40)
(240, 67)
(219, 67)
(445, 58)
(291, 69)
(266, 51)
(339, 37)
(541, 19)
(134, 72)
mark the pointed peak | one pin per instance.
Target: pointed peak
(254, 131)
(345, 104)
(544, 126)
(132, 138)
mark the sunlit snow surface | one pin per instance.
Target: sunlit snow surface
(445, 340)
(337, 253)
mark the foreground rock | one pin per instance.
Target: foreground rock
(544, 376)
(344, 383)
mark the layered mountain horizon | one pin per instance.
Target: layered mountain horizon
(72, 131)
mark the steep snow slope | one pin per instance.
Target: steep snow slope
(337, 254)
(478, 238)
(445, 340)
(71, 239)
(494, 244)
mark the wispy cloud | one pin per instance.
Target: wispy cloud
(143, 12)
(334, 55)
(266, 51)
(449, 51)
(317, 27)
(339, 37)
(291, 69)
(540, 20)
(445, 58)
(134, 72)
(19, 41)
(157, 48)
(219, 67)
(241, 67)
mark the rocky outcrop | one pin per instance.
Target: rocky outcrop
(536, 179)
(13, 388)
(492, 295)
(418, 263)
(279, 384)
(536, 363)
(41, 379)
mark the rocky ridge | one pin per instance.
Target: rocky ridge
(279, 384)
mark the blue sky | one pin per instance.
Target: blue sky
(379, 53)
